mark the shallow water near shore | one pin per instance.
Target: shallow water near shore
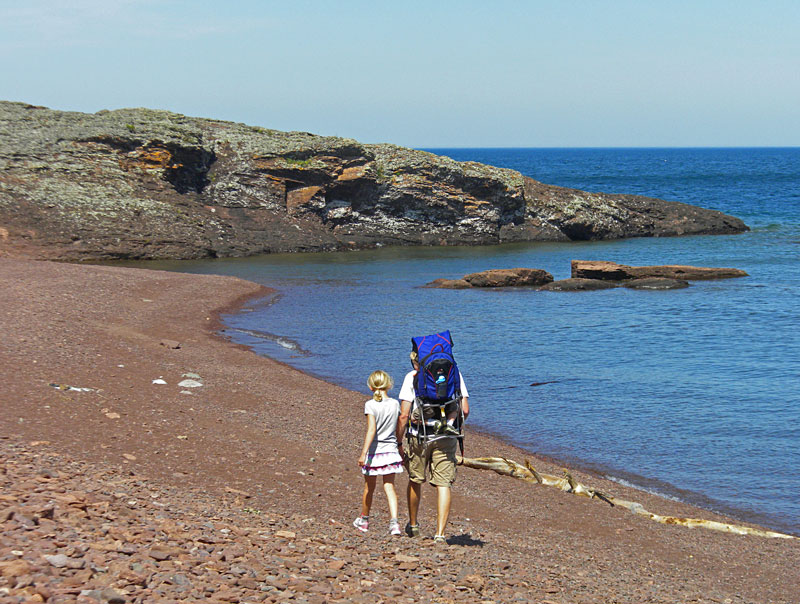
(692, 393)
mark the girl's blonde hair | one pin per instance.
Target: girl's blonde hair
(379, 382)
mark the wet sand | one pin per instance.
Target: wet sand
(261, 449)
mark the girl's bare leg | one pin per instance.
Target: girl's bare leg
(369, 490)
(391, 495)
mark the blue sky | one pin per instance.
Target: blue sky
(425, 74)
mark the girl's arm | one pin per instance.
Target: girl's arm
(402, 422)
(368, 438)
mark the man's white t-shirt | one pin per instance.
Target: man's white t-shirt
(407, 391)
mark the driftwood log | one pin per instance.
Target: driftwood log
(568, 484)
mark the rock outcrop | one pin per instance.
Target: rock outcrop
(139, 183)
(591, 275)
(611, 271)
(499, 277)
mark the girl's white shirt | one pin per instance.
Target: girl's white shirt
(385, 413)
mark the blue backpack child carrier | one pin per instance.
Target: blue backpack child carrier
(437, 389)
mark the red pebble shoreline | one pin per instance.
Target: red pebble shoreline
(243, 490)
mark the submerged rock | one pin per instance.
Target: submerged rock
(656, 283)
(448, 284)
(139, 183)
(578, 285)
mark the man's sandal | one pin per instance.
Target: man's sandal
(412, 530)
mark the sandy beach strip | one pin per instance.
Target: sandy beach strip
(264, 457)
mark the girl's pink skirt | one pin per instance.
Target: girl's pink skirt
(381, 464)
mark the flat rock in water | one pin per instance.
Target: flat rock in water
(501, 277)
(509, 277)
(611, 271)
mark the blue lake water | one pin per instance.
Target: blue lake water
(692, 393)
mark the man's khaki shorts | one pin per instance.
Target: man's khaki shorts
(439, 456)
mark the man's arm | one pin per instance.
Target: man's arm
(465, 406)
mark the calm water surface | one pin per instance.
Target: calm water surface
(692, 393)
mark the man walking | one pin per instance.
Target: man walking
(438, 455)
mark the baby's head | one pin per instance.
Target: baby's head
(414, 359)
(379, 382)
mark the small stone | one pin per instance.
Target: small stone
(15, 568)
(129, 457)
(244, 494)
(172, 344)
(163, 552)
(286, 534)
(112, 596)
(57, 560)
(190, 384)
(476, 582)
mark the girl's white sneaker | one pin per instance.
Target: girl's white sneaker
(361, 523)
(394, 527)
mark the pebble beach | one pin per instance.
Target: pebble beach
(148, 459)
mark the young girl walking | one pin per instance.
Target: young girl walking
(380, 455)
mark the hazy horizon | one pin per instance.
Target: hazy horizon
(451, 74)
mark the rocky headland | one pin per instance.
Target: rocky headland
(141, 183)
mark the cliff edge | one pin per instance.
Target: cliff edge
(141, 183)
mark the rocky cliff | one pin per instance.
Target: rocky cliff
(139, 183)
